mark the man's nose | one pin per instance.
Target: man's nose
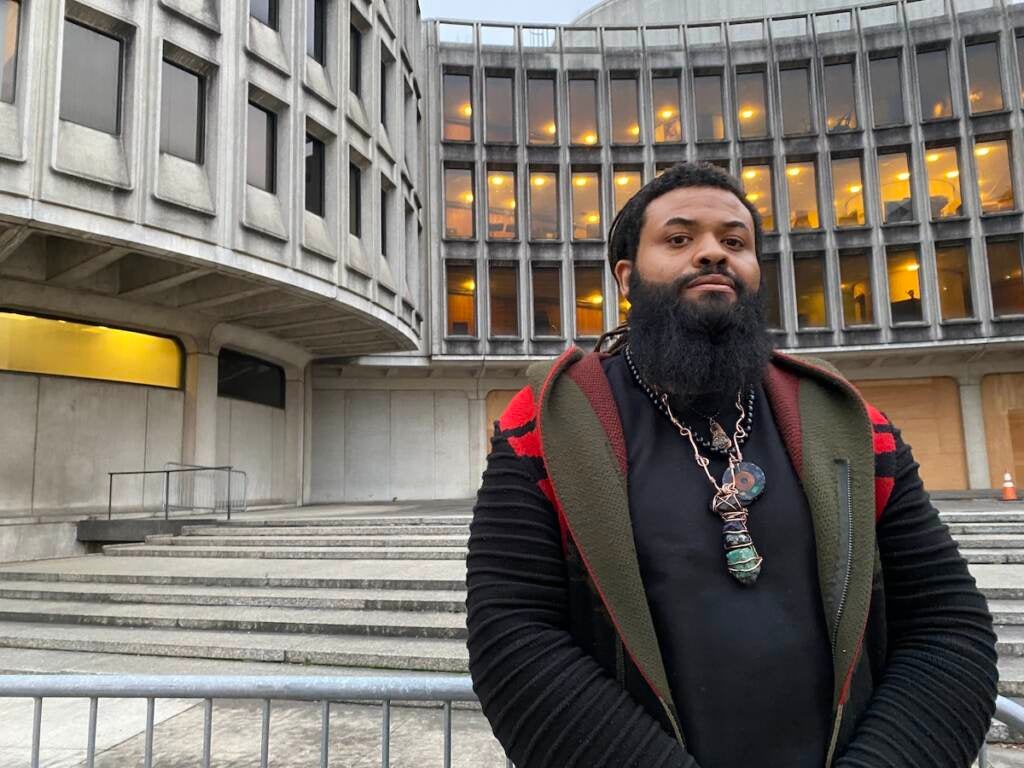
(709, 251)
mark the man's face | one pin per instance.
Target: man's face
(702, 238)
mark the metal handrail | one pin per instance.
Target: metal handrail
(1009, 713)
(230, 497)
(167, 472)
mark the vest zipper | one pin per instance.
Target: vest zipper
(672, 720)
(845, 483)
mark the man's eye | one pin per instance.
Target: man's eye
(734, 242)
(679, 239)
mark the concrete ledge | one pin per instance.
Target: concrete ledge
(38, 541)
(128, 531)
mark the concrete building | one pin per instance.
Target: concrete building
(320, 241)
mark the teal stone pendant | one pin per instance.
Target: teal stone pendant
(741, 556)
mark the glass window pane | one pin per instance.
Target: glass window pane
(707, 99)
(458, 108)
(625, 111)
(1020, 64)
(90, 82)
(855, 288)
(995, 184)
(503, 280)
(586, 206)
(355, 200)
(757, 181)
(67, 348)
(315, 29)
(498, 100)
(385, 209)
(954, 268)
(986, 84)
(894, 187)
(502, 221)
(547, 300)
(355, 61)
(796, 100)
(242, 377)
(264, 11)
(626, 184)
(589, 299)
(181, 113)
(770, 289)
(543, 124)
(544, 219)
(461, 290)
(943, 182)
(314, 175)
(459, 207)
(904, 268)
(933, 84)
(1005, 277)
(809, 280)
(260, 152)
(9, 26)
(750, 105)
(848, 189)
(802, 182)
(840, 99)
(583, 111)
(887, 91)
(667, 118)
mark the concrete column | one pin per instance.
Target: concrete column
(479, 438)
(975, 444)
(294, 431)
(199, 436)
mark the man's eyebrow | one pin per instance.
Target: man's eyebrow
(681, 221)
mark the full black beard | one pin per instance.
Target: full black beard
(697, 350)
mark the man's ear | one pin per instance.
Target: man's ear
(622, 270)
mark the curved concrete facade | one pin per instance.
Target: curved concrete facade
(619, 13)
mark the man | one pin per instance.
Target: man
(694, 551)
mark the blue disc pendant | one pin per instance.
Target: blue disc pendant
(749, 479)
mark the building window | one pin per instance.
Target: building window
(261, 149)
(67, 348)
(933, 84)
(625, 110)
(316, 30)
(583, 111)
(751, 105)
(355, 60)
(1020, 64)
(355, 200)
(182, 112)
(894, 188)
(904, 271)
(802, 182)
(503, 281)
(502, 221)
(848, 192)
(10, 12)
(985, 93)
(953, 264)
(458, 107)
(544, 218)
(90, 82)
(887, 91)
(757, 183)
(770, 291)
(943, 182)
(855, 288)
(589, 279)
(667, 118)
(625, 185)
(459, 207)
(1005, 277)
(264, 11)
(315, 152)
(540, 110)
(795, 84)
(498, 101)
(242, 377)
(809, 281)
(840, 97)
(707, 99)
(995, 183)
(385, 209)
(586, 206)
(385, 85)
(547, 299)
(461, 282)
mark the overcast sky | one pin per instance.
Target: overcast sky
(549, 11)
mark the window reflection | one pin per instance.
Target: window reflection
(583, 111)
(887, 91)
(625, 184)
(589, 299)
(544, 220)
(9, 14)
(933, 84)
(809, 280)
(757, 183)
(503, 281)
(355, 61)
(943, 182)
(751, 112)
(461, 290)
(953, 265)
(355, 200)
(707, 97)
(855, 288)
(182, 106)
(1020, 64)
(261, 155)
(499, 125)
(586, 206)
(1005, 276)
(801, 180)
(625, 110)
(90, 81)
(995, 184)
(315, 156)
(459, 207)
(904, 267)
(316, 30)
(458, 107)
(668, 124)
(795, 84)
(502, 222)
(770, 289)
(986, 85)
(540, 110)
(840, 99)
(547, 299)
(894, 187)
(848, 192)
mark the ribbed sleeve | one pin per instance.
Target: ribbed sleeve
(933, 705)
(550, 704)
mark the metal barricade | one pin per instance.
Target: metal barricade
(187, 487)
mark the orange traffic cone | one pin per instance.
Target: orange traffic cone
(1009, 489)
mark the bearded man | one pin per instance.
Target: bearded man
(692, 550)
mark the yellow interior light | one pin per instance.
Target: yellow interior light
(580, 181)
(512, 204)
(854, 189)
(469, 285)
(590, 138)
(952, 174)
(982, 151)
(539, 181)
(634, 130)
(750, 173)
(497, 180)
(551, 128)
(913, 267)
(467, 110)
(622, 180)
(747, 114)
(931, 157)
(667, 114)
(468, 197)
(938, 109)
(596, 298)
(792, 171)
(753, 197)
(902, 176)
(593, 218)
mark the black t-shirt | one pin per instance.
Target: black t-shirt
(750, 668)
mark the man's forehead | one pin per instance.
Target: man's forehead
(708, 205)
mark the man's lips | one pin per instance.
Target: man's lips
(712, 284)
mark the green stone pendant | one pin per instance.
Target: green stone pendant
(741, 556)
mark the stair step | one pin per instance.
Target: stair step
(993, 556)
(1011, 675)
(350, 521)
(460, 529)
(308, 541)
(1009, 515)
(289, 553)
(990, 541)
(961, 529)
